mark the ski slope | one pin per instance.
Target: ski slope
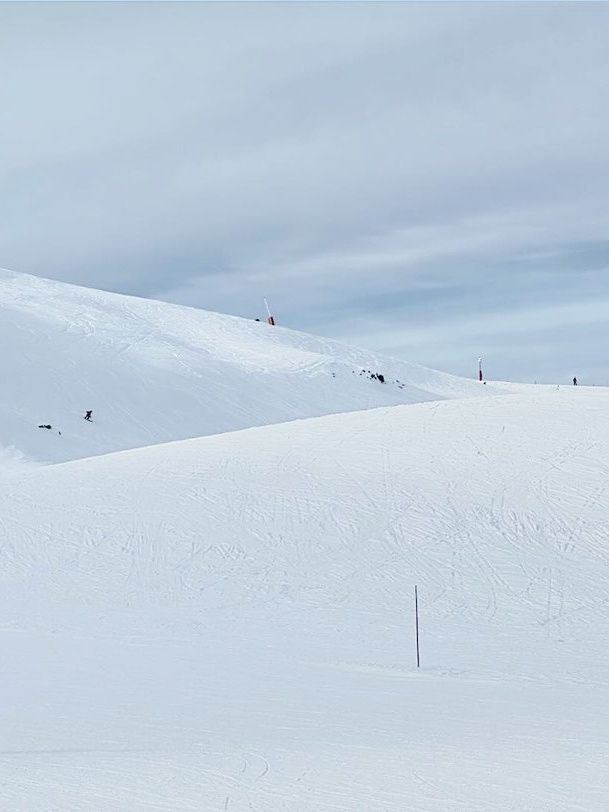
(154, 372)
(226, 623)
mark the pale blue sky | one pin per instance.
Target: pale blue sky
(430, 180)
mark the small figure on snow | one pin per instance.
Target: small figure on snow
(574, 381)
(45, 426)
(88, 414)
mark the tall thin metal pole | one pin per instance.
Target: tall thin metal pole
(416, 620)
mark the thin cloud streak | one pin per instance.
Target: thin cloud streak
(381, 171)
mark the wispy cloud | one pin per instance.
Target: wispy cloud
(428, 179)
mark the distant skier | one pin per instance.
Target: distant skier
(574, 381)
(88, 414)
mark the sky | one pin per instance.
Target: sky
(427, 180)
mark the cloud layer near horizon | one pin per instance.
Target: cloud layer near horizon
(429, 180)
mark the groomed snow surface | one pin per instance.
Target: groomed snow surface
(154, 372)
(227, 623)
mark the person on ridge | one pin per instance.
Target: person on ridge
(574, 381)
(88, 414)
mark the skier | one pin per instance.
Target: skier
(88, 414)
(574, 381)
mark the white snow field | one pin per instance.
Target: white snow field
(226, 623)
(153, 372)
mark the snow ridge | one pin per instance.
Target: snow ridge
(154, 372)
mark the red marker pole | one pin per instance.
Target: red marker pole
(416, 623)
(269, 317)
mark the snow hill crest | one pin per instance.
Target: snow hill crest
(153, 372)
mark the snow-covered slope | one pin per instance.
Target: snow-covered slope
(154, 372)
(227, 623)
